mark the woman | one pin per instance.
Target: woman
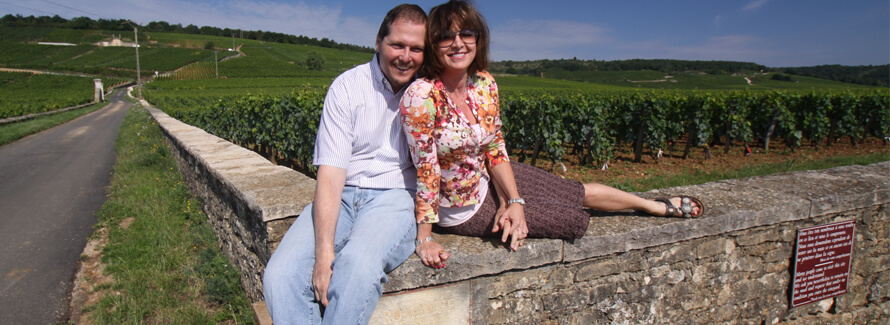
(465, 180)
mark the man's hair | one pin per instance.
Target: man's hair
(440, 20)
(408, 12)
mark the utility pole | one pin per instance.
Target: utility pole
(138, 71)
(233, 41)
(216, 62)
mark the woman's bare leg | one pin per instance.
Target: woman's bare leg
(605, 198)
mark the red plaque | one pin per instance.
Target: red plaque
(822, 262)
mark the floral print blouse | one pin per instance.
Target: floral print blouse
(450, 157)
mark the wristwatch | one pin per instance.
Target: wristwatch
(519, 200)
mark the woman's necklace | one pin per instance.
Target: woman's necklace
(462, 104)
(456, 94)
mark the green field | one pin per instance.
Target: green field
(98, 60)
(647, 79)
(24, 93)
(49, 34)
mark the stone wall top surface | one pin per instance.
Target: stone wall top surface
(276, 192)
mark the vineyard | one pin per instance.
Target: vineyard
(24, 93)
(50, 34)
(94, 59)
(584, 126)
(587, 126)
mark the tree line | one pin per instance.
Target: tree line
(163, 26)
(878, 75)
(863, 75)
(663, 65)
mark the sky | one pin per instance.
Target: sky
(774, 33)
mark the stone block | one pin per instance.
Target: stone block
(597, 269)
(780, 252)
(670, 254)
(449, 304)
(757, 236)
(473, 257)
(711, 247)
(748, 264)
(507, 283)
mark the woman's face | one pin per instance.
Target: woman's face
(458, 51)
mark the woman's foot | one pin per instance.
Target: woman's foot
(682, 207)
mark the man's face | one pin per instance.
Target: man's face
(401, 52)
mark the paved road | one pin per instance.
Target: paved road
(51, 185)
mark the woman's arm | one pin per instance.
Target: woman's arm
(510, 218)
(512, 221)
(418, 113)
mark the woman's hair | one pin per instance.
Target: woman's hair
(441, 18)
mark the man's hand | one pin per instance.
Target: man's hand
(326, 210)
(321, 278)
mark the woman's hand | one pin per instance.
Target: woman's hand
(512, 222)
(432, 254)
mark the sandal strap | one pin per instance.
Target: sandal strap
(670, 209)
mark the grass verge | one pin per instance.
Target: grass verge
(161, 252)
(701, 177)
(14, 131)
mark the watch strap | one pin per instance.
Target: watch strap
(516, 200)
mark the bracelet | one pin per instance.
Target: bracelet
(517, 200)
(421, 241)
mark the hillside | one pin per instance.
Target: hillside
(639, 73)
(177, 53)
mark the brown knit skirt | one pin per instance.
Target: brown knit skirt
(553, 207)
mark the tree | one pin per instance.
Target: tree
(191, 29)
(314, 61)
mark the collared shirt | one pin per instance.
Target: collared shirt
(450, 154)
(360, 131)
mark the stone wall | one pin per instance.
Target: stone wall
(733, 266)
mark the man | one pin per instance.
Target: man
(361, 225)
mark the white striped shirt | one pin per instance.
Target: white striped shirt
(361, 131)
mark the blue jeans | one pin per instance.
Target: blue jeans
(375, 234)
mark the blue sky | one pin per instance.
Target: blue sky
(775, 33)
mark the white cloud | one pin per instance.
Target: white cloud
(718, 20)
(754, 5)
(744, 48)
(539, 39)
(727, 47)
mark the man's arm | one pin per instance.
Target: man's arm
(326, 209)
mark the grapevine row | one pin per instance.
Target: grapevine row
(587, 126)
